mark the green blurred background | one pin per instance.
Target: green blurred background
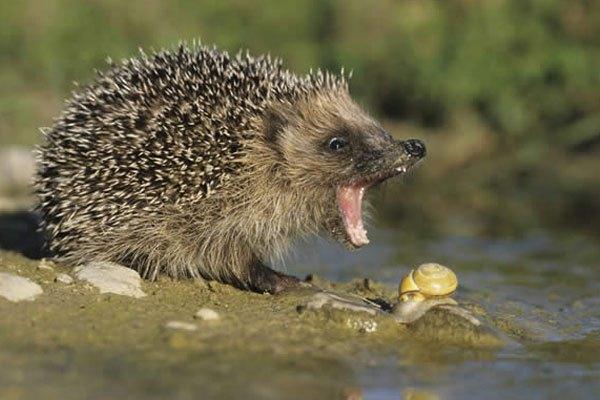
(505, 92)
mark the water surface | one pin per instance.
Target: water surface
(548, 287)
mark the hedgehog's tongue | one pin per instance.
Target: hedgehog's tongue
(349, 200)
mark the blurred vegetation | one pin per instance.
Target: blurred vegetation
(516, 81)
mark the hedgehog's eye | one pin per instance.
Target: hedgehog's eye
(337, 143)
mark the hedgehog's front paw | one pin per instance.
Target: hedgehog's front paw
(265, 280)
(284, 282)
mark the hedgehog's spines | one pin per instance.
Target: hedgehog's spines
(163, 131)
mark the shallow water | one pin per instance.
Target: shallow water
(548, 288)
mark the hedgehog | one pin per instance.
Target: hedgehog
(192, 162)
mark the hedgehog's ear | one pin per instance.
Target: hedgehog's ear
(274, 121)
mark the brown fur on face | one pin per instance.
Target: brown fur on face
(296, 140)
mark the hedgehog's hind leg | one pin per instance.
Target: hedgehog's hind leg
(264, 279)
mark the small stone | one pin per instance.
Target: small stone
(181, 325)
(63, 278)
(16, 288)
(46, 265)
(109, 277)
(207, 314)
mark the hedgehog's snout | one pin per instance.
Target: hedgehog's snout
(415, 148)
(404, 154)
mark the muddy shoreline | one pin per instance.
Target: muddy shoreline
(70, 330)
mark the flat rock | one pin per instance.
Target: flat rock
(109, 277)
(16, 288)
(342, 302)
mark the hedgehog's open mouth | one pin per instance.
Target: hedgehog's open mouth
(350, 199)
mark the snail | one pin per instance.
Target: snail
(427, 281)
(425, 287)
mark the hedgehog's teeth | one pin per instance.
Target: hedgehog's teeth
(349, 199)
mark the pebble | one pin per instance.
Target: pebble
(207, 314)
(46, 265)
(181, 325)
(109, 277)
(16, 288)
(63, 278)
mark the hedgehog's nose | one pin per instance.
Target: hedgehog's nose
(415, 148)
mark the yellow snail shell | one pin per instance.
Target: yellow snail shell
(427, 280)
